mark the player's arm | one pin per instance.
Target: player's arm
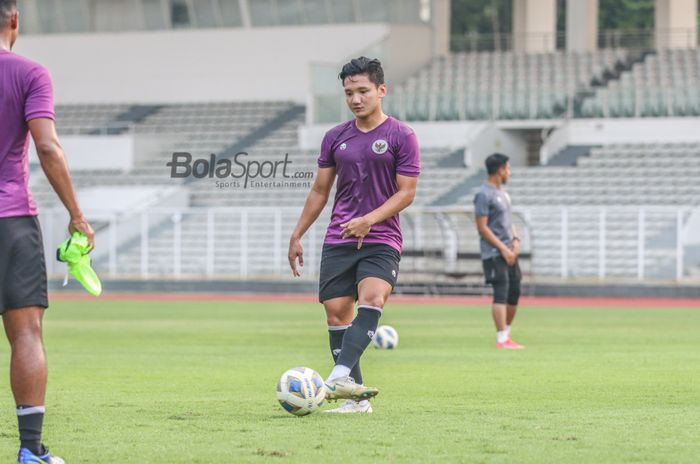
(315, 202)
(54, 165)
(360, 227)
(516, 241)
(399, 201)
(485, 231)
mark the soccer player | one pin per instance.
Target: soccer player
(500, 247)
(376, 160)
(26, 105)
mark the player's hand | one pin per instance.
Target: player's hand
(295, 251)
(515, 247)
(509, 256)
(358, 227)
(80, 224)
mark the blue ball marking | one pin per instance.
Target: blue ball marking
(295, 386)
(287, 406)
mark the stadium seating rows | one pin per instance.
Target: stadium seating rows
(211, 128)
(610, 177)
(508, 85)
(620, 175)
(231, 233)
(199, 129)
(617, 180)
(76, 119)
(497, 85)
(665, 84)
(202, 129)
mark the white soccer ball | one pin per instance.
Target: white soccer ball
(301, 391)
(386, 337)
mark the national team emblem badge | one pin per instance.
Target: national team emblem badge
(380, 146)
(343, 146)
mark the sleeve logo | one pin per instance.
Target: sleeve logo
(380, 146)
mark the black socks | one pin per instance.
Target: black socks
(30, 420)
(358, 336)
(335, 337)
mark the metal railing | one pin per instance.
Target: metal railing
(642, 243)
(646, 244)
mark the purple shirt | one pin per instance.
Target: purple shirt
(25, 94)
(366, 166)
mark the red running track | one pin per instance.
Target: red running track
(589, 302)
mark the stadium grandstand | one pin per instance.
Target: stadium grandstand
(602, 135)
(194, 131)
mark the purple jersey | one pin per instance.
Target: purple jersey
(25, 94)
(366, 166)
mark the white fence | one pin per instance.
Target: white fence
(647, 244)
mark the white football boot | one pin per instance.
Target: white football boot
(351, 407)
(345, 388)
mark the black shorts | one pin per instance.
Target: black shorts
(496, 270)
(344, 266)
(22, 265)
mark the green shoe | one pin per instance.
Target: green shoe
(74, 252)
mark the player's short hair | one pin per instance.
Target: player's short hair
(363, 65)
(7, 7)
(494, 162)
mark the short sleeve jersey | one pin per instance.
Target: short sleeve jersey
(494, 203)
(26, 93)
(366, 166)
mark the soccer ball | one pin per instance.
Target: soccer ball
(386, 337)
(301, 391)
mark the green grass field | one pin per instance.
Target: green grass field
(144, 382)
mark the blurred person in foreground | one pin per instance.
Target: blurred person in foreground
(26, 107)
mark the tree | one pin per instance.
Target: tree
(626, 15)
(496, 16)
